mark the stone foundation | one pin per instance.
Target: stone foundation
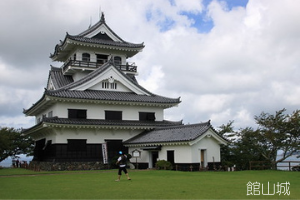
(66, 166)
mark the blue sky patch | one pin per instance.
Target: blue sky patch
(203, 23)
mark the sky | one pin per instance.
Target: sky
(227, 60)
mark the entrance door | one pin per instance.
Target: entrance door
(154, 158)
(202, 158)
(170, 157)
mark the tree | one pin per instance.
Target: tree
(278, 132)
(242, 147)
(13, 143)
(226, 130)
(245, 148)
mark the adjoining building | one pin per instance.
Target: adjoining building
(93, 107)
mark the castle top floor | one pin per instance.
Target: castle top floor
(92, 48)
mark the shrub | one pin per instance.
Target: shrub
(163, 164)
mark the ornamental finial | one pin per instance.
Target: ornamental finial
(102, 18)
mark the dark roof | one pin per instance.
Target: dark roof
(110, 96)
(58, 79)
(90, 76)
(62, 81)
(97, 39)
(104, 42)
(57, 120)
(65, 91)
(179, 133)
(102, 123)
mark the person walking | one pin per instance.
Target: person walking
(122, 165)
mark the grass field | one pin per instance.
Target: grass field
(145, 184)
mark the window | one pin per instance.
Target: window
(76, 114)
(86, 57)
(171, 157)
(113, 115)
(105, 85)
(101, 59)
(117, 60)
(146, 116)
(76, 145)
(50, 114)
(113, 85)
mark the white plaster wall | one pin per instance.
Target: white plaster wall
(120, 87)
(97, 111)
(182, 153)
(79, 75)
(187, 153)
(93, 136)
(212, 150)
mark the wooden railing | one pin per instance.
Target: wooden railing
(77, 63)
(93, 65)
(261, 165)
(287, 164)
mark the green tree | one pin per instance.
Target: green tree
(227, 131)
(241, 149)
(245, 148)
(13, 143)
(278, 132)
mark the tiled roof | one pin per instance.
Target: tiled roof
(104, 42)
(180, 133)
(89, 76)
(66, 81)
(58, 79)
(111, 96)
(56, 120)
(82, 35)
(96, 40)
(66, 92)
(66, 85)
(101, 123)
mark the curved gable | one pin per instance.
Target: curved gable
(107, 74)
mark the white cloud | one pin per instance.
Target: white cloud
(247, 63)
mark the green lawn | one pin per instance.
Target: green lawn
(152, 184)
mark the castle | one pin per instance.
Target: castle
(93, 107)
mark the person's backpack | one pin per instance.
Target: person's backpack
(123, 160)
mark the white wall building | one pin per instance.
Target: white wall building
(93, 107)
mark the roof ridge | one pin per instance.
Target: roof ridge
(98, 24)
(53, 68)
(87, 77)
(184, 125)
(100, 70)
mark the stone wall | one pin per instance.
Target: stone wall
(66, 166)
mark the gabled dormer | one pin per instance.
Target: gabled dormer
(89, 50)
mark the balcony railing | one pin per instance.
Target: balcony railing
(75, 64)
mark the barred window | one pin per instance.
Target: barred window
(86, 57)
(113, 85)
(146, 116)
(105, 85)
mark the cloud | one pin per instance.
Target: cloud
(245, 62)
